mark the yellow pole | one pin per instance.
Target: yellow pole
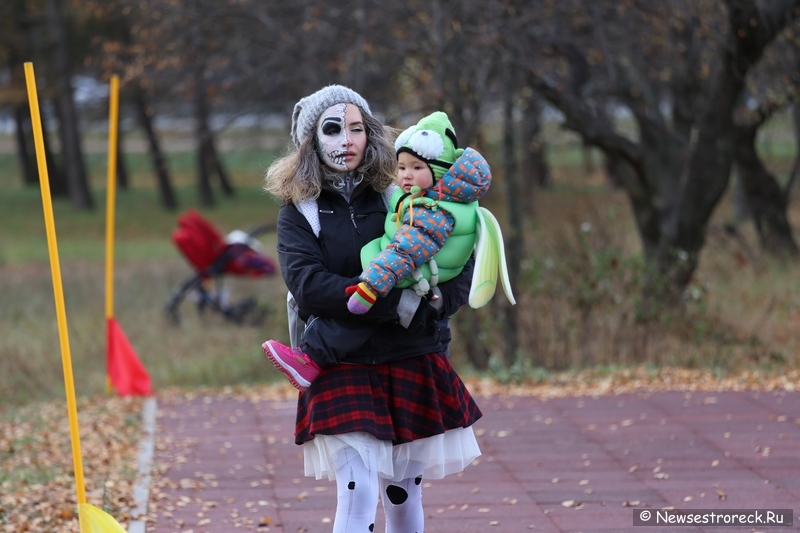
(58, 291)
(111, 194)
(113, 121)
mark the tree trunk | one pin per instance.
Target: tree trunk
(535, 171)
(206, 143)
(437, 44)
(165, 190)
(74, 166)
(752, 28)
(468, 327)
(764, 196)
(122, 169)
(204, 179)
(787, 191)
(202, 133)
(588, 159)
(25, 151)
(144, 115)
(216, 165)
(360, 15)
(59, 187)
(514, 229)
(618, 171)
(741, 205)
(703, 182)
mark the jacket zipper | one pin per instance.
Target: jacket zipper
(353, 219)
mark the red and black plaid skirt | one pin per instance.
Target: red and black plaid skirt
(400, 401)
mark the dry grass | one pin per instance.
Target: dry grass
(37, 483)
(579, 302)
(203, 350)
(579, 293)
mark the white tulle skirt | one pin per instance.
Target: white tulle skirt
(442, 455)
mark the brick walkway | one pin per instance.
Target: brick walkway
(578, 464)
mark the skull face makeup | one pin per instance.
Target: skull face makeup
(341, 138)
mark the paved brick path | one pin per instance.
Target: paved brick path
(578, 464)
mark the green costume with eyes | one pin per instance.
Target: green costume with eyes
(402, 256)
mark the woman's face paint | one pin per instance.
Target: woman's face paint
(341, 137)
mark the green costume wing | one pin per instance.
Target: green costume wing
(490, 259)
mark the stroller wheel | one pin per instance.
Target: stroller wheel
(172, 316)
(238, 312)
(258, 316)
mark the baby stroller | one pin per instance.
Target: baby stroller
(212, 256)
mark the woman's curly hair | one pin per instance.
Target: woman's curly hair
(299, 175)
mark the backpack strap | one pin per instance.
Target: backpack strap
(309, 210)
(387, 196)
(296, 325)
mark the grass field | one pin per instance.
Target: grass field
(204, 349)
(578, 294)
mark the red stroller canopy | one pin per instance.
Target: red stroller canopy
(203, 246)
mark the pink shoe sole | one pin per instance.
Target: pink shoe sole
(297, 381)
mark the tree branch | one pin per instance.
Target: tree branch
(586, 120)
(755, 28)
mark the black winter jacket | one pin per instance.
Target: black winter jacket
(317, 271)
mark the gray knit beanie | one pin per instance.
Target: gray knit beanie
(308, 109)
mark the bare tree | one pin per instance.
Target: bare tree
(145, 115)
(19, 28)
(766, 201)
(513, 244)
(453, 58)
(534, 167)
(682, 164)
(795, 112)
(772, 86)
(121, 53)
(25, 152)
(74, 165)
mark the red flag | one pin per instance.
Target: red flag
(128, 375)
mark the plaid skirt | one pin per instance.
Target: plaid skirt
(401, 401)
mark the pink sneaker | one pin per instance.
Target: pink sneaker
(297, 366)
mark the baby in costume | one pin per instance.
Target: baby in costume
(440, 185)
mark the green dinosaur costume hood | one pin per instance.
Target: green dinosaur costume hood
(432, 139)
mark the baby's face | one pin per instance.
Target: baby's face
(341, 137)
(411, 170)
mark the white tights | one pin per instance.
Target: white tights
(402, 505)
(357, 490)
